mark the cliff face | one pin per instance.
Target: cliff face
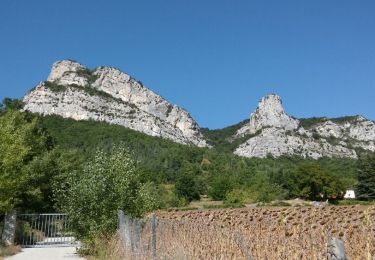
(107, 94)
(272, 132)
(269, 113)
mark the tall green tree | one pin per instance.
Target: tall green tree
(186, 187)
(366, 177)
(92, 195)
(220, 186)
(22, 143)
(314, 183)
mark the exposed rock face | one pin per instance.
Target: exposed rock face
(68, 72)
(277, 142)
(272, 132)
(107, 94)
(269, 113)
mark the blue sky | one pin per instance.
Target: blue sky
(215, 58)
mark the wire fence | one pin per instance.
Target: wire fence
(166, 239)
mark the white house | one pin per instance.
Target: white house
(349, 194)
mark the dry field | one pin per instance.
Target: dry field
(266, 233)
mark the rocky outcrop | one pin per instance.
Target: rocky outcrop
(107, 94)
(271, 131)
(269, 113)
(277, 141)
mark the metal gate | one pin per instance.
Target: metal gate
(44, 230)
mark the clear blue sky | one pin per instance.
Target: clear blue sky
(216, 58)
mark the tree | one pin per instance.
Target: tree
(220, 186)
(22, 143)
(186, 187)
(13, 104)
(314, 183)
(262, 189)
(366, 177)
(106, 183)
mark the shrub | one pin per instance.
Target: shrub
(54, 86)
(220, 186)
(235, 196)
(186, 187)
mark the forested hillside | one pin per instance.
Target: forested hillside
(165, 162)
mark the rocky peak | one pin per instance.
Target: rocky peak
(68, 72)
(77, 92)
(269, 113)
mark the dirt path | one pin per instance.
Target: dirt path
(55, 253)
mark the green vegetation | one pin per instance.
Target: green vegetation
(187, 188)
(55, 87)
(164, 162)
(221, 139)
(24, 152)
(343, 119)
(8, 250)
(366, 177)
(309, 122)
(106, 183)
(87, 74)
(313, 183)
(89, 89)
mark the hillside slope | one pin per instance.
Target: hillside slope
(164, 160)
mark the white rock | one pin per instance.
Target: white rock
(67, 72)
(269, 113)
(122, 86)
(329, 128)
(362, 129)
(278, 134)
(276, 142)
(128, 102)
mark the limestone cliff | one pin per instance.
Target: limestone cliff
(107, 94)
(271, 131)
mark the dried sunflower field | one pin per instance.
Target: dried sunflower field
(262, 233)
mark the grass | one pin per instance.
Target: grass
(205, 203)
(108, 248)
(8, 250)
(353, 202)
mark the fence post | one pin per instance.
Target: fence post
(9, 228)
(336, 249)
(153, 236)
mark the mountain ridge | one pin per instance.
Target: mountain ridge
(108, 94)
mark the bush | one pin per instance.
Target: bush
(236, 196)
(220, 186)
(262, 189)
(186, 187)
